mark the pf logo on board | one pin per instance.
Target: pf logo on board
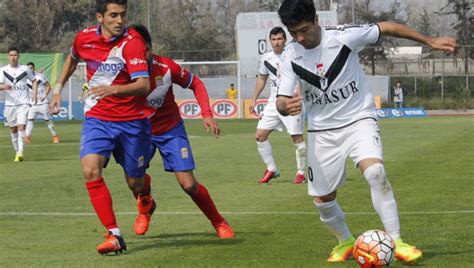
(189, 109)
(224, 108)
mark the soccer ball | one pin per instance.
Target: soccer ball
(374, 248)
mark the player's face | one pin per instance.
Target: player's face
(306, 33)
(113, 21)
(13, 58)
(31, 67)
(278, 42)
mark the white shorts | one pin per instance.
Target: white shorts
(15, 115)
(328, 151)
(272, 120)
(41, 110)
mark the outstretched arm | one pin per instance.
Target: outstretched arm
(388, 28)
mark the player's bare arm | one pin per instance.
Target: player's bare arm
(259, 86)
(34, 86)
(47, 85)
(444, 43)
(5, 86)
(69, 67)
(289, 105)
(139, 87)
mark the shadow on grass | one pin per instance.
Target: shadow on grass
(181, 240)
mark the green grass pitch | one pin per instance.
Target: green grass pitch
(46, 218)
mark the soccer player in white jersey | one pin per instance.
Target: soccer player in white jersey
(271, 119)
(342, 120)
(41, 108)
(13, 79)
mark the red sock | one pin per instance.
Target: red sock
(146, 187)
(102, 202)
(204, 201)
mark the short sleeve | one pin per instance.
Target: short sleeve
(179, 75)
(31, 74)
(75, 49)
(263, 69)
(288, 79)
(135, 58)
(357, 37)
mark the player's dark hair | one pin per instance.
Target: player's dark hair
(13, 49)
(101, 5)
(293, 12)
(30, 63)
(143, 31)
(277, 30)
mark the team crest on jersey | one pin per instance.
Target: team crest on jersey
(184, 153)
(113, 53)
(160, 81)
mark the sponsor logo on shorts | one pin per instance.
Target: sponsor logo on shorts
(377, 140)
(184, 153)
(141, 161)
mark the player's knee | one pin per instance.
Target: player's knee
(260, 138)
(91, 173)
(190, 187)
(136, 185)
(376, 177)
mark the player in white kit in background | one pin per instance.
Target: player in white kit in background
(13, 79)
(342, 120)
(271, 119)
(41, 108)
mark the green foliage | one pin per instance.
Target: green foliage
(276, 225)
(424, 24)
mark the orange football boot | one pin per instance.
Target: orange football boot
(146, 206)
(56, 139)
(112, 243)
(224, 231)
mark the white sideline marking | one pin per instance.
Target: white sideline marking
(45, 145)
(75, 214)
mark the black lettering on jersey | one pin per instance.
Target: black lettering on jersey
(323, 83)
(270, 67)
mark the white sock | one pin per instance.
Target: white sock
(51, 127)
(383, 199)
(14, 140)
(21, 136)
(265, 150)
(29, 127)
(332, 215)
(115, 231)
(300, 157)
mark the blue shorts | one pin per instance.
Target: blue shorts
(174, 148)
(128, 141)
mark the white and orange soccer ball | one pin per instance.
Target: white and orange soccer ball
(374, 248)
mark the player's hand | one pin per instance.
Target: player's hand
(293, 105)
(252, 107)
(55, 104)
(7, 86)
(101, 92)
(447, 44)
(33, 101)
(210, 124)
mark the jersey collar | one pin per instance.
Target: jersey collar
(110, 40)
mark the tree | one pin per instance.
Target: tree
(424, 24)
(463, 26)
(377, 52)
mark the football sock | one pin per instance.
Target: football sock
(383, 199)
(300, 157)
(204, 201)
(330, 213)
(51, 127)
(29, 127)
(14, 140)
(115, 231)
(147, 187)
(102, 202)
(21, 136)
(265, 150)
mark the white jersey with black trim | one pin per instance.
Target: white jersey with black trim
(269, 65)
(17, 77)
(333, 84)
(41, 93)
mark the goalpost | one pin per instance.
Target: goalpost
(217, 77)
